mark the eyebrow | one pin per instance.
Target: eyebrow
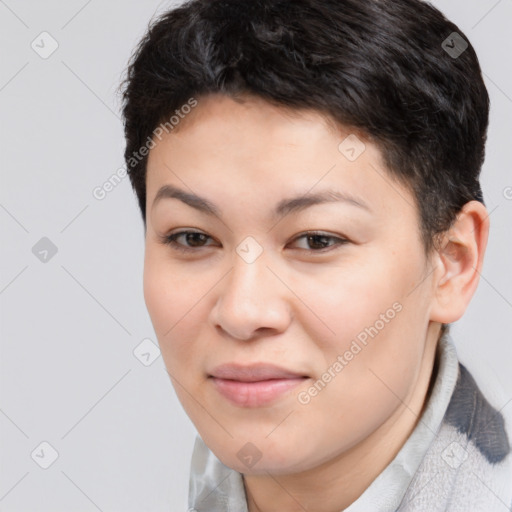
(283, 208)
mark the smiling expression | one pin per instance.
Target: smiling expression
(295, 249)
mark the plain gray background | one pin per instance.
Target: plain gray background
(71, 320)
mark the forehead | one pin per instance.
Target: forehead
(236, 152)
(251, 122)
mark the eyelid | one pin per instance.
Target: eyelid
(170, 240)
(341, 240)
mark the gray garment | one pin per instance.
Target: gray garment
(457, 459)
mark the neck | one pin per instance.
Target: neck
(336, 484)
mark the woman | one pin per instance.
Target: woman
(307, 172)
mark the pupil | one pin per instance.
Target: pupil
(191, 239)
(312, 239)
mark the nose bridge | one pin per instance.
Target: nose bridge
(248, 278)
(251, 297)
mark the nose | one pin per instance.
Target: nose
(251, 301)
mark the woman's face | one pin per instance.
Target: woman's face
(344, 312)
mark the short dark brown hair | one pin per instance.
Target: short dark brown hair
(383, 67)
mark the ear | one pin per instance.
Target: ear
(458, 262)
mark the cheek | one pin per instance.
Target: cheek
(363, 390)
(177, 304)
(168, 301)
(159, 296)
(372, 321)
(344, 301)
(169, 292)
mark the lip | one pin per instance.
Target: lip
(254, 385)
(253, 372)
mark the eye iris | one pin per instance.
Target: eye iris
(314, 238)
(191, 237)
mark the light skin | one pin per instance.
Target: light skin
(296, 305)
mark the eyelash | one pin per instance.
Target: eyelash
(170, 240)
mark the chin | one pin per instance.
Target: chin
(262, 457)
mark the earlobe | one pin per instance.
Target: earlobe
(459, 262)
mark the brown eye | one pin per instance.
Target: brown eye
(317, 242)
(190, 240)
